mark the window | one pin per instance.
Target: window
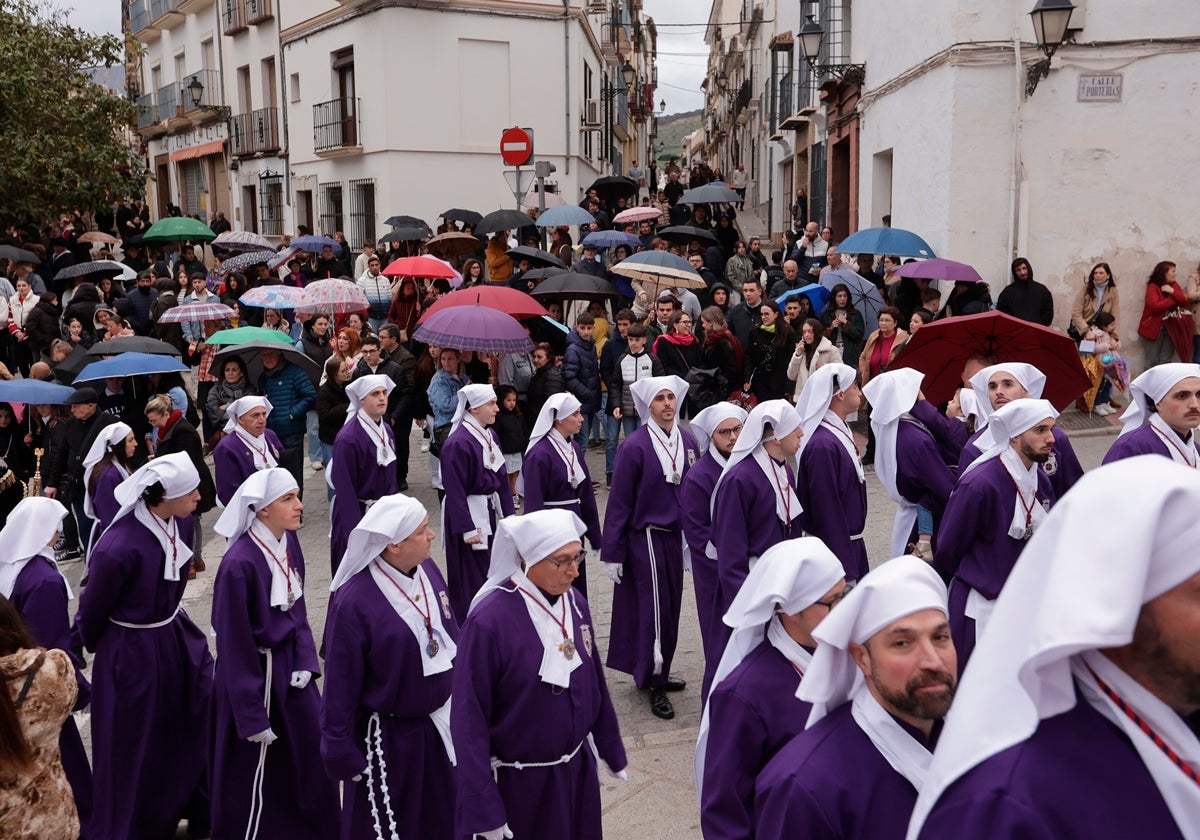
(270, 204)
(294, 85)
(329, 198)
(362, 212)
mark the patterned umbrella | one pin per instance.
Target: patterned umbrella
(105, 268)
(240, 262)
(332, 297)
(419, 267)
(242, 240)
(197, 311)
(273, 297)
(245, 335)
(477, 328)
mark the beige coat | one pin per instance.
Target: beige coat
(1084, 308)
(798, 371)
(864, 359)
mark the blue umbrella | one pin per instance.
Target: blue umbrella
(130, 364)
(314, 244)
(610, 239)
(884, 240)
(563, 215)
(556, 324)
(34, 391)
(815, 292)
(864, 295)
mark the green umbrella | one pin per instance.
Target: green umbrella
(241, 335)
(177, 229)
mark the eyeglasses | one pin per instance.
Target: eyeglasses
(836, 599)
(577, 560)
(736, 430)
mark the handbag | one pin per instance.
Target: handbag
(440, 433)
(742, 399)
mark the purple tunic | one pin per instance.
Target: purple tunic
(834, 500)
(752, 715)
(246, 623)
(546, 485)
(1063, 469)
(644, 509)
(1143, 441)
(831, 783)
(357, 478)
(233, 462)
(695, 494)
(464, 474)
(151, 687)
(1076, 776)
(950, 433)
(104, 502)
(374, 667)
(502, 709)
(974, 547)
(922, 476)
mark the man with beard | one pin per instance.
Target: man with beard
(1163, 413)
(994, 510)
(1076, 719)
(1024, 297)
(880, 683)
(141, 297)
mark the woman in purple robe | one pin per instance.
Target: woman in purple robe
(107, 463)
(152, 672)
(385, 712)
(266, 773)
(247, 447)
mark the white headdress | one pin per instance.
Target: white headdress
(240, 516)
(30, 528)
(178, 477)
(783, 418)
(1154, 384)
(106, 439)
(706, 421)
(241, 406)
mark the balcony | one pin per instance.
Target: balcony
(165, 14)
(233, 16)
(147, 115)
(192, 6)
(258, 11)
(166, 101)
(743, 98)
(139, 20)
(336, 127)
(255, 133)
(752, 16)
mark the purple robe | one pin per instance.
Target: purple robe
(1143, 441)
(40, 595)
(104, 500)
(297, 799)
(752, 714)
(464, 474)
(830, 782)
(974, 547)
(644, 509)
(922, 476)
(357, 479)
(951, 434)
(695, 495)
(1076, 776)
(546, 485)
(151, 688)
(502, 709)
(1063, 469)
(834, 500)
(374, 667)
(233, 462)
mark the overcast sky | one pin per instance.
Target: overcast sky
(95, 15)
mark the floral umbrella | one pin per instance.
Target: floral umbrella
(332, 297)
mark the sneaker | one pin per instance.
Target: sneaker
(317, 466)
(1102, 410)
(425, 446)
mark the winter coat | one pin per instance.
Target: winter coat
(183, 437)
(1158, 304)
(292, 394)
(1026, 299)
(84, 303)
(222, 394)
(630, 369)
(581, 372)
(800, 369)
(513, 433)
(678, 359)
(42, 325)
(332, 404)
(766, 364)
(547, 381)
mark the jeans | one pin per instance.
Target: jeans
(292, 458)
(612, 431)
(1104, 392)
(924, 520)
(314, 442)
(376, 324)
(84, 523)
(585, 433)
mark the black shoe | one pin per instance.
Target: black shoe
(198, 829)
(674, 684)
(608, 481)
(401, 486)
(660, 706)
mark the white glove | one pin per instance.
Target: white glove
(614, 571)
(264, 737)
(497, 833)
(300, 679)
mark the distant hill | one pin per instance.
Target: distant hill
(671, 131)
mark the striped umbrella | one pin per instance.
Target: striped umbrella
(273, 297)
(475, 327)
(196, 311)
(332, 297)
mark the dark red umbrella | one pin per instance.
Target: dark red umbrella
(510, 301)
(941, 349)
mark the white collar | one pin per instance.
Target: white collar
(421, 600)
(9, 572)
(264, 458)
(901, 750)
(669, 449)
(385, 453)
(493, 458)
(787, 505)
(566, 451)
(1028, 512)
(792, 650)
(286, 586)
(846, 438)
(1180, 451)
(557, 666)
(175, 551)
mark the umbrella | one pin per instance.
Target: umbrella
(457, 214)
(453, 244)
(478, 327)
(638, 214)
(864, 295)
(133, 344)
(536, 256)
(314, 244)
(405, 234)
(564, 215)
(815, 292)
(178, 229)
(419, 267)
(533, 200)
(242, 240)
(511, 302)
(246, 335)
(238, 262)
(543, 273)
(127, 275)
(105, 268)
(273, 296)
(14, 254)
(196, 311)
(558, 325)
(130, 364)
(710, 194)
(283, 257)
(940, 269)
(407, 221)
(33, 392)
(250, 354)
(332, 297)
(885, 240)
(611, 187)
(502, 220)
(575, 286)
(66, 370)
(655, 267)
(603, 239)
(100, 237)
(684, 234)
(941, 349)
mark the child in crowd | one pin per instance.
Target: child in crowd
(514, 437)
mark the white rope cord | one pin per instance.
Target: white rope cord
(658, 656)
(375, 752)
(533, 765)
(256, 794)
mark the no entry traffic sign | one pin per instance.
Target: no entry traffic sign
(516, 146)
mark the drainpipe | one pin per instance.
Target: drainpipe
(567, 85)
(1014, 214)
(285, 150)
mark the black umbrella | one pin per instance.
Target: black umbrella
(543, 273)
(132, 344)
(405, 234)
(104, 268)
(406, 221)
(686, 233)
(575, 286)
(66, 370)
(612, 187)
(11, 252)
(542, 330)
(536, 256)
(503, 220)
(251, 355)
(457, 214)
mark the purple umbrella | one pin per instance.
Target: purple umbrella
(939, 269)
(475, 327)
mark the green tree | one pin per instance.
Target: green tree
(63, 139)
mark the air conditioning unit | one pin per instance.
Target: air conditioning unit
(591, 112)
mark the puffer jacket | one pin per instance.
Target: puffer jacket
(581, 372)
(292, 394)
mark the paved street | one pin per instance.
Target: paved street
(659, 798)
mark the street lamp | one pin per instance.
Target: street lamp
(662, 106)
(195, 91)
(1050, 21)
(609, 92)
(811, 36)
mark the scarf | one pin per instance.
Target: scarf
(769, 328)
(174, 417)
(684, 340)
(713, 336)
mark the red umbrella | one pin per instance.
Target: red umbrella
(941, 349)
(502, 298)
(419, 267)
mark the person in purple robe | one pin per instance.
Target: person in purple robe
(385, 715)
(530, 696)
(643, 540)
(753, 709)
(1076, 716)
(716, 429)
(477, 497)
(30, 579)
(830, 480)
(880, 684)
(1163, 413)
(555, 473)
(360, 470)
(994, 510)
(266, 773)
(152, 671)
(248, 446)
(994, 387)
(108, 462)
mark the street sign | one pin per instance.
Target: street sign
(516, 146)
(519, 181)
